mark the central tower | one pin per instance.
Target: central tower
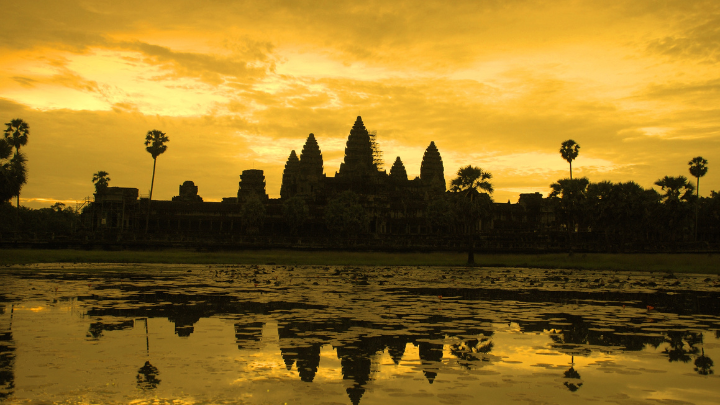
(358, 153)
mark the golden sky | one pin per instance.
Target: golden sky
(238, 84)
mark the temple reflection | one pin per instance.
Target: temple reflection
(248, 334)
(301, 341)
(7, 352)
(449, 329)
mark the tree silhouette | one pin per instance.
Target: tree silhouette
(155, 145)
(295, 213)
(16, 135)
(698, 168)
(253, 214)
(101, 181)
(676, 189)
(572, 194)
(344, 215)
(677, 194)
(13, 172)
(439, 213)
(569, 151)
(469, 181)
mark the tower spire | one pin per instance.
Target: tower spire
(432, 172)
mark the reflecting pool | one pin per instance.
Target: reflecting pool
(350, 335)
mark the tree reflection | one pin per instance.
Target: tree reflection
(703, 364)
(7, 358)
(682, 345)
(572, 375)
(575, 333)
(147, 377)
(96, 329)
(471, 351)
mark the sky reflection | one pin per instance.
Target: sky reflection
(166, 333)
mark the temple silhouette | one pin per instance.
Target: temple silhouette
(361, 205)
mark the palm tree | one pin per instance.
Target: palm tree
(101, 181)
(569, 151)
(16, 135)
(155, 145)
(698, 168)
(678, 192)
(676, 189)
(6, 183)
(573, 196)
(469, 181)
(13, 174)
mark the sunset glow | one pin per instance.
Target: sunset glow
(238, 85)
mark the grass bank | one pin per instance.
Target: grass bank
(678, 263)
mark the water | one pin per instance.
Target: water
(348, 335)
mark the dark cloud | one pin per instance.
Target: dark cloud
(25, 81)
(699, 42)
(207, 68)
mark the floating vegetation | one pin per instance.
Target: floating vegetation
(161, 332)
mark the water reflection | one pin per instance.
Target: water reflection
(7, 353)
(703, 364)
(498, 329)
(147, 377)
(572, 377)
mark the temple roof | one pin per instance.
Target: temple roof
(311, 161)
(290, 174)
(432, 171)
(358, 152)
(397, 171)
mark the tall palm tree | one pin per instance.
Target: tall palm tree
(155, 145)
(569, 151)
(469, 182)
(698, 168)
(16, 135)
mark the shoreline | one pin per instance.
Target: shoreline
(647, 262)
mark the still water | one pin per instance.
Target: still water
(349, 335)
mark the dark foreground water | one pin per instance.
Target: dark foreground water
(341, 335)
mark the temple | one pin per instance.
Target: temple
(359, 172)
(361, 201)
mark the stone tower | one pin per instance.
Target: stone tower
(188, 193)
(311, 161)
(252, 182)
(432, 172)
(358, 153)
(310, 167)
(290, 177)
(398, 174)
